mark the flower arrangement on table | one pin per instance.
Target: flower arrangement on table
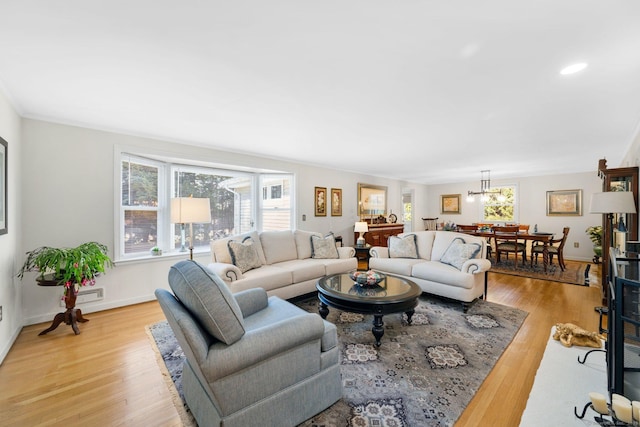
(68, 267)
(369, 278)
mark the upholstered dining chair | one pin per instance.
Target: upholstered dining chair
(505, 239)
(538, 248)
(250, 360)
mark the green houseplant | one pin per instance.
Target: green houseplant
(595, 235)
(68, 266)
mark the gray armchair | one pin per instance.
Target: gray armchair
(250, 360)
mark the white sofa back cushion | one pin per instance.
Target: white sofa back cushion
(220, 248)
(444, 238)
(303, 242)
(424, 243)
(278, 246)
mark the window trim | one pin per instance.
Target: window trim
(516, 203)
(167, 163)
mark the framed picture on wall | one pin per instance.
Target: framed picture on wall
(3, 186)
(321, 201)
(336, 202)
(450, 204)
(564, 203)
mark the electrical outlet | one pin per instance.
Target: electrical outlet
(576, 244)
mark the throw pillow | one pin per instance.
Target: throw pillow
(244, 255)
(403, 247)
(459, 252)
(324, 247)
(208, 299)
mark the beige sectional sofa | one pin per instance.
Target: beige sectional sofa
(443, 263)
(287, 265)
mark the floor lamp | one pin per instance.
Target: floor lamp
(190, 210)
(611, 203)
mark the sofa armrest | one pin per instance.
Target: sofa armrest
(476, 265)
(346, 252)
(261, 344)
(252, 301)
(379, 252)
(227, 272)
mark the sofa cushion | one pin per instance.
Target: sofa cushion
(444, 274)
(220, 248)
(403, 247)
(402, 266)
(324, 247)
(278, 246)
(341, 265)
(267, 277)
(208, 299)
(244, 254)
(302, 269)
(459, 252)
(303, 242)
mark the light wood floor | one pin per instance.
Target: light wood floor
(108, 375)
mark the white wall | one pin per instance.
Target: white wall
(67, 197)
(532, 206)
(10, 289)
(68, 175)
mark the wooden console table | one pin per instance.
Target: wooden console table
(379, 234)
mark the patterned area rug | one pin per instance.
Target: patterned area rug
(576, 273)
(423, 374)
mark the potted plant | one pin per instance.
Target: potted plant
(68, 266)
(156, 251)
(71, 268)
(595, 235)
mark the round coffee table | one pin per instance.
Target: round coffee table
(392, 295)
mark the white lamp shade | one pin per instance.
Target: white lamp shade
(612, 202)
(361, 227)
(188, 210)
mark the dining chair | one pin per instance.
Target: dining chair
(505, 239)
(467, 228)
(538, 248)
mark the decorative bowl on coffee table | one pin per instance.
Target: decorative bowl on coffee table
(366, 278)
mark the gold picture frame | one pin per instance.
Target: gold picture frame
(336, 202)
(320, 197)
(372, 200)
(564, 203)
(450, 203)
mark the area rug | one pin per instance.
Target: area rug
(423, 374)
(562, 384)
(576, 273)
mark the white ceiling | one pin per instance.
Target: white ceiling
(426, 91)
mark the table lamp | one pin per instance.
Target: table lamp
(189, 210)
(361, 227)
(614, 202)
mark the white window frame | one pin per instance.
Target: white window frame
(167, 165)
(516, 210)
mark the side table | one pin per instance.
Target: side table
(362, 253)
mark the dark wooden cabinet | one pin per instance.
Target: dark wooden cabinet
(616, 179)
(379, 234)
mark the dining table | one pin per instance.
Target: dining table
(543, 237)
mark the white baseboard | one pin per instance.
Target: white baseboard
(12, 340)
(90, 308)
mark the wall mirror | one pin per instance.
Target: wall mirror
(372, 200)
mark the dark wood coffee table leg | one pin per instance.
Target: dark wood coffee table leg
(377, 329)
(323, 310)
(409, 315)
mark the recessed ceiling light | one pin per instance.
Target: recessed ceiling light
(574, 68)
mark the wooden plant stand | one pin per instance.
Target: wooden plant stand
(71, 316)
